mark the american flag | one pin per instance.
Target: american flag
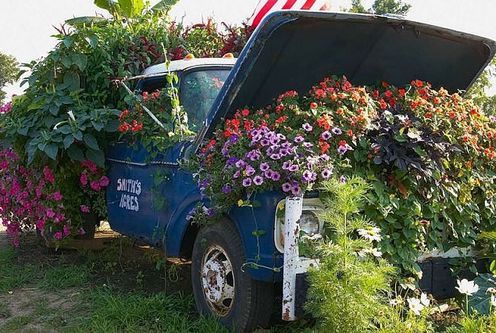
(265, 7)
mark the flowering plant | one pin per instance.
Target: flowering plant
(93, 182)
(289, 146)
(427, 154)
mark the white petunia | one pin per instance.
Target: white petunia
(467, 287)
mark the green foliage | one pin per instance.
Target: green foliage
(390, 7)
(8, 72)
(381, 7)
(479, 90)
(480, 302)
(474, 324)
(347, 293)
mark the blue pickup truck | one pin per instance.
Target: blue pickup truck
(236, 274)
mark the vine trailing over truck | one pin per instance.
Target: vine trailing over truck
(71, 109)
(428, 155)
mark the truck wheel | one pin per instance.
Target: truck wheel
(221, 288)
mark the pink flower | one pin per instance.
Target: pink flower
(83, 179)
(50, 213)
(67, 230)
(95, 186)
(58, 235)
(104, 181)
(81, 232)
(84, 208)
(57, 196)
(40, 225)
(90, 165)
(48, 173)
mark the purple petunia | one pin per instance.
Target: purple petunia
(240, 164)
(253, 155)
(264, 142)
(307, 127)
(286, 187)
(275, 156)
(226, 189)
(492, 118)
(309, 176)
(337, 131)
(247, 182)
(294, 168)
(249, 170)
(295, 190)
(326, 135)
(258, 180)
(264, 166)
(268, 174)
(299, 139)
(326, 173)
(232, 161)
(307, 144)
(286, 165)
(276, 176)
(342, 179)
(237, 174)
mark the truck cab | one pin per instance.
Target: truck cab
(240, 263)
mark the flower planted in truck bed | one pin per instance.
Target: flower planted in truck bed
(427, 154)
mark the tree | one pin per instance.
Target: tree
(479, 89)
(8, 72)
(381, 7)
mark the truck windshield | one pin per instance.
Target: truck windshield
(198, 91)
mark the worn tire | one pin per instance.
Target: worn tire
(252, 302)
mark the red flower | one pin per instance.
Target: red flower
(323, 122)
(282, 119)
(324, 147)
(349, 133)
(382, 104)
(402, 92)
(313, 105)
(428, 115)
(388, 93)
(245, 112)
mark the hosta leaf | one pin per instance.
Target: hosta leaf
(51, 150)
(91, 141)
(481, 300)
(96, 156)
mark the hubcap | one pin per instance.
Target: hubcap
(218, 280)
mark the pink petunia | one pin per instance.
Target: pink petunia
(104, 181)
(58, 235)
(67, 230)
(49, 176)
(57, 196)
(83, 179)
(84, 208)
(95, 186)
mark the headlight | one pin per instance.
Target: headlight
(310, 223)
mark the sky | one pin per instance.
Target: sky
(26, 26)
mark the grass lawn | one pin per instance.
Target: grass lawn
(121, 288)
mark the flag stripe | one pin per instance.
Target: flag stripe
(265, 9)
(289, 4)
(308, 4)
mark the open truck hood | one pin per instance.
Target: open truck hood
(293, 50)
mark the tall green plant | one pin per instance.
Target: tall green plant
(349, 289)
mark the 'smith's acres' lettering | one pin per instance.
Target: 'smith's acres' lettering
(129, 200)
